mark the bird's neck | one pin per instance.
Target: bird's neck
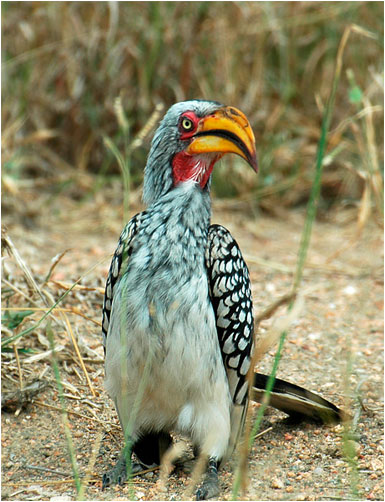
(185, 206)
(165, 172)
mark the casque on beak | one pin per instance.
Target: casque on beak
(227, 130)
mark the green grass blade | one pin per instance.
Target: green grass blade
(67, 431)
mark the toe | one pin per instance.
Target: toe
(209, 489)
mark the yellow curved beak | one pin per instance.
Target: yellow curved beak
(225, 131)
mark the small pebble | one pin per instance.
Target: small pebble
(277, 483)
(350, 290)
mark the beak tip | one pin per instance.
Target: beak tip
(253, 161)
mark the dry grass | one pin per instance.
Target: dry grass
(75, 73)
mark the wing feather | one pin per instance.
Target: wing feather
(118, 264)
(230, 292)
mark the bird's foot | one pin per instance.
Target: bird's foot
(117, 475)
(210, 486)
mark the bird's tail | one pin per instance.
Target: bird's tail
(299, 403)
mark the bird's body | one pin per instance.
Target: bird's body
(162, 304)
(178, 313)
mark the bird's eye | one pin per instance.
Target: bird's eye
(187, 124)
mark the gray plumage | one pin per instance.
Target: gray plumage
(161, 308)
(177, 316)
(178, 313)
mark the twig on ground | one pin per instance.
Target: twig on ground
(67, 285)
(44, 483)
(7, 242)
(18, 365)
(30, 300)
(263, 432)
(266, 341)
(76, 311)
(71, 481)
(19, 292)
(42, 355)
(76, 347)
(267, 313)
(55, 262)
(46, 469)
(70, 412)
(64, 295)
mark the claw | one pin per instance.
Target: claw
(210, 485)
(122, 479)
(209, 488)
(117, 475)
(106, 481)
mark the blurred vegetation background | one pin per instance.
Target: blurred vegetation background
(84, 84)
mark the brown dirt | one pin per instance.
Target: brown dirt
(342, 318)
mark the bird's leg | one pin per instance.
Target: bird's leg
(210, 485)
(123, 468)
(149, 450)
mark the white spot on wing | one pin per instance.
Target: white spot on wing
(228, 346)
(223, 323)
(245, 366)
(243, 343)
(233, 361)
(115, 267)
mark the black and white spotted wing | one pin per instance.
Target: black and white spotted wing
(121, 256)
(230, 292)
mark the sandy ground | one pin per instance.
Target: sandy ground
(334, 347)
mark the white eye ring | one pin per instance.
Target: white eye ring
(187, 124)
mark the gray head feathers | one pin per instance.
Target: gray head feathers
(165, 144)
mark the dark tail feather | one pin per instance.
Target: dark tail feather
(299, 403)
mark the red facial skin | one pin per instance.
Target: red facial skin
(192, 167)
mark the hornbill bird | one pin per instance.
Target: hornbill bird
(178, 312)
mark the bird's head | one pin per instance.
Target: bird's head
(190, 139)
